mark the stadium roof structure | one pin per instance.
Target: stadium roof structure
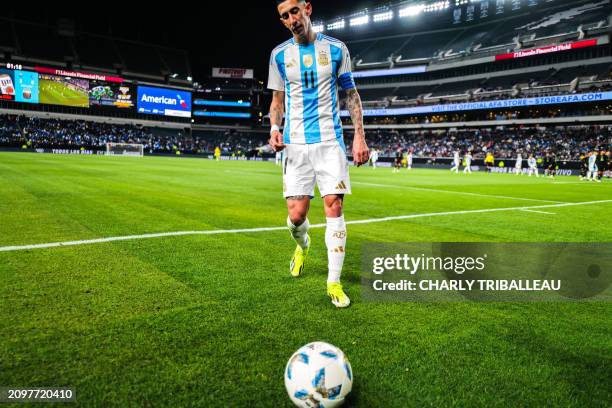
(64, 46)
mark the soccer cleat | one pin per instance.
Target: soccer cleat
(296, 266)
(337, 295)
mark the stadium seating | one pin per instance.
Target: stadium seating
(566, 143)
(537, 28)
(47, 44)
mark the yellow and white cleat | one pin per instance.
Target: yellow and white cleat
(296, 266)
(337, 295)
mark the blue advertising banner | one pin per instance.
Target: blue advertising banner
(222, 114)
(163, 101)
(207, 102)
(499, 104)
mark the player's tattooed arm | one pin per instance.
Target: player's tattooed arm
(353, 104)
(361, 153)
(277, 108)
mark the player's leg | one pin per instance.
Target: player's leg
(335, 241)
(298, 186)
(331, 167)
(297, 220)
(298, 224)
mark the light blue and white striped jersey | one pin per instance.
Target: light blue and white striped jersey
(310, 76)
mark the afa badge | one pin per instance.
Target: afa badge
(323, 59)
(307, 60)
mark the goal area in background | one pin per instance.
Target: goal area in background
(124, 149)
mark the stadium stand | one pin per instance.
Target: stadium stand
(566, 143)
(34, 132)
(67, 47)
(544, 26)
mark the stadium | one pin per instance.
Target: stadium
(162, 242)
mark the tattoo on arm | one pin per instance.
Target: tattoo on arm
(277, 108)
(353, 104)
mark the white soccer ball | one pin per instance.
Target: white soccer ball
(318, 375)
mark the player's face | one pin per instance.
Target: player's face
(295, 15)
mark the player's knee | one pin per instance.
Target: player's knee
(297, 219)
(297, 214)
(333, 206)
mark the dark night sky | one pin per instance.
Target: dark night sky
(230, 34)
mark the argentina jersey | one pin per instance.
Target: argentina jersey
(310, 76)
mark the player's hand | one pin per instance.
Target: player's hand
(361, 153)
(276, 141)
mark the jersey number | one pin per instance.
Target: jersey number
(309, 80)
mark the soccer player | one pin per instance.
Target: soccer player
(552, 165)
(456, 162)
(533, 166)
(217, 153)
(602, 163)
(584, 166)
(374, 158)
(279, 158)
(409, 159)
(468, 162)
(305, 74)
(592, 173)
(489, 161)
(397, 163)
(518, 166)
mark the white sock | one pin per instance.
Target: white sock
(335, 240)
(299, 233)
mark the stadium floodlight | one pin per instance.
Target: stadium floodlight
(437, 6)
(361, 20)
(411, 10)
(386, 16)
(189, 78)
(318, 28)
(336, 25)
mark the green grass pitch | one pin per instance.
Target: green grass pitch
(55, 93)
(210, 320)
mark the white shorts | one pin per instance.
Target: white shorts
(324, 163)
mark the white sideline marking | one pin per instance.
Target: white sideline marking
(456, 192)
(540, 212)
(248, 230)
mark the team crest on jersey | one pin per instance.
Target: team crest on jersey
(307, 60)
(323, 59)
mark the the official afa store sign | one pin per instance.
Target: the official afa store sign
(163, 101)
(499, 104)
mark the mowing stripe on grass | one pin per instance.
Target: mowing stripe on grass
(264, 229)
(455, 192)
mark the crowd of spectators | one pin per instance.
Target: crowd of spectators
(538, 90)
(18, 131)
(566, 142)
